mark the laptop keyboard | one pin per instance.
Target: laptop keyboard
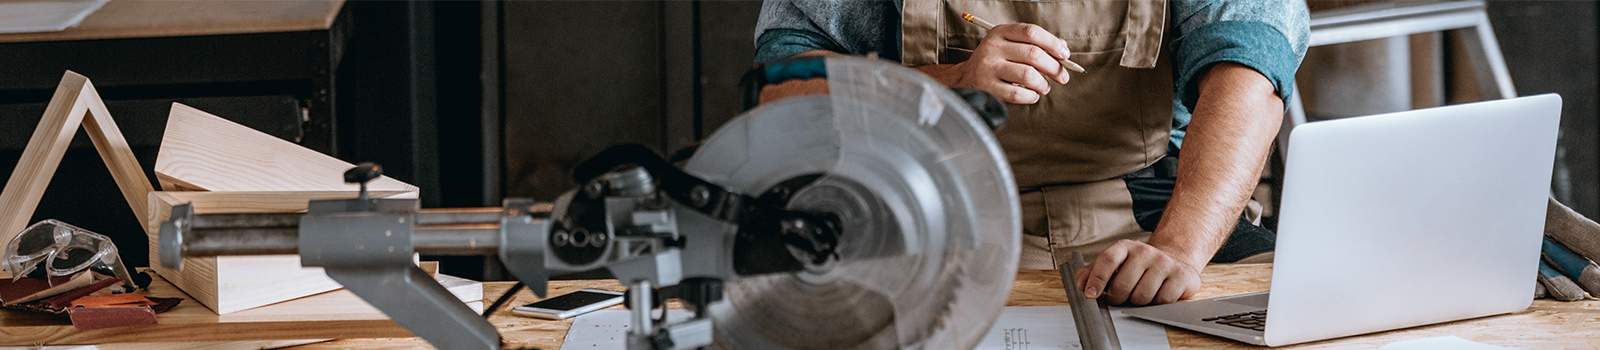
(1256, 320)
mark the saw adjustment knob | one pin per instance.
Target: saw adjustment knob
(362, 173)
(366, 171)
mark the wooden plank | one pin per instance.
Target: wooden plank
(1548, 324)
(114, 150)
(233, 283)
(202, 345)
(160, 18)
(336, 314)
(464, 289)
(203, 151)
(75, 96)
(430, 267)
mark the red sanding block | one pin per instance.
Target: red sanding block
(87, 318)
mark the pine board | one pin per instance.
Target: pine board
(200, 151)
(232, 283)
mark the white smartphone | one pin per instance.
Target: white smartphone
(570, 304)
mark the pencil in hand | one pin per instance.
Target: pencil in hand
(975, 20)
(988, 26)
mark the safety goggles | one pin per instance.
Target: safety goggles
(58, 249)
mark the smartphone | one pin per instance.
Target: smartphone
(570, 304)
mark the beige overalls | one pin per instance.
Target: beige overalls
(1069, 150)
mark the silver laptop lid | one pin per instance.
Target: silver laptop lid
(1412, 218)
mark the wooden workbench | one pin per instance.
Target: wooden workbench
(1547, 324)
(123, 19)
(268, 53)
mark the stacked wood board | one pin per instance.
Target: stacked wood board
(232, 283)
(223, 167)
(203, 152)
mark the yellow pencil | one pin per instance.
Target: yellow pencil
(987, 26)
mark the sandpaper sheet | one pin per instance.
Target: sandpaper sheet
(113, 300)
(26, 289)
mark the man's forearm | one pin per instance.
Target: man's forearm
(1229, 138)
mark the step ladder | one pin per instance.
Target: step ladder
(1467, 18)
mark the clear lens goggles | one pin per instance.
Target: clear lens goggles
(63, 250)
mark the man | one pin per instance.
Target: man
(1094, 153)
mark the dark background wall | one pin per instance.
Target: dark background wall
(1552, 46)
(477, 101)
(662, 74)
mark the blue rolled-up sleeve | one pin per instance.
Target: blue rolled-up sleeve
(853, 27)
(779, 43)
(1269, 36)
(1252, 44)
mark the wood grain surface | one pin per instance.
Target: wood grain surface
(336, 314)
(199, 345)
(1547, 324)
(160, 18)
(231, 283)
(203, 151)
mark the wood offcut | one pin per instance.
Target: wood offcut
(201, 151)
(229, 284)
(75, 98)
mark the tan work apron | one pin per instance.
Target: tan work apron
(1068, 149)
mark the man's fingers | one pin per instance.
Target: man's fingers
(1128, 277)
(1037, 36)
(1037, 58)
(1009, 93)
(1081, 277)
(1188, 284)
(1024, 76)
(1132, 272)
(1105, 265)
(1029, 44)
(1172, 290)
(1028, 62)
(1148, 287)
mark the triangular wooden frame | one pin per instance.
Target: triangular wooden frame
(75, 97)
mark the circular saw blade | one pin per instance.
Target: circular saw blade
(927, 206)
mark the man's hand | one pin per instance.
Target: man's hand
(1132, 272)
(1012, 63)
(1229, 138)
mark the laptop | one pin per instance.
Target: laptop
(1398, 220)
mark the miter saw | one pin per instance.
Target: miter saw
(882, 215)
